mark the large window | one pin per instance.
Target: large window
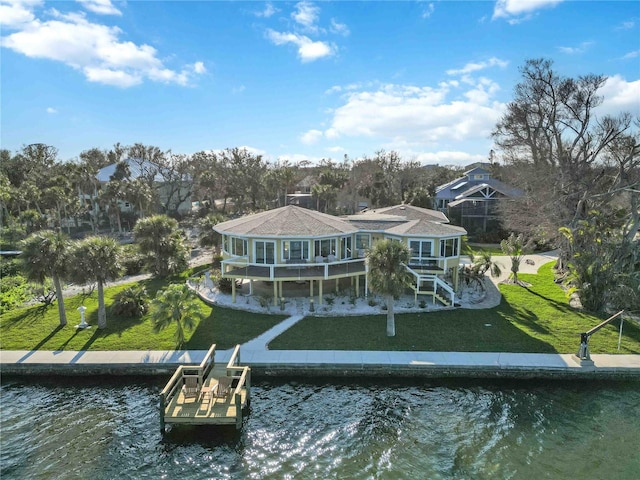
(449, 247)
(295, 250)
(237, 246)
(421, 248)
(325, 247)
(345, 248)
(265, 252)
(363, 242)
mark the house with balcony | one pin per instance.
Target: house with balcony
(472, 200)
(293, 246)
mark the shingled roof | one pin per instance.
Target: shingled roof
(289, 221)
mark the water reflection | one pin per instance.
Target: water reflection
(109, 428)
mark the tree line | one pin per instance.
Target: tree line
(579, 171)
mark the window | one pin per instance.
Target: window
(238, 246)
(449, 247)
(295, 250)
(325, 247)
(420, 248)
(345, 248)
(265, 252)
(363, 241)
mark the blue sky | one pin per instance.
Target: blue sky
(296, 80)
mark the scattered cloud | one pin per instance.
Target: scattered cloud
(103, 7)
(311, 137)
(474, 67)
(576, 50)
(630, 55)
(306, 14)
(51, 110)
(268, 11)
(446, 157)
(619, 96)
(16, 13)
(336, 149)
(199, 68)
(339, 28)
(627, 25)
(238, 89)
(94, 49)
(308, 50)
(417, 116)
(428, 10)
(516, 11)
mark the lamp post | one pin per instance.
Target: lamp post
(83, 324)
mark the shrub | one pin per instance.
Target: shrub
(9, 267)
(372, 302)
(131, 302)
(132, 260)
(225, 285)
(14, 291)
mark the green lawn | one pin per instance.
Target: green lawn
(37, 328)
(535, 319)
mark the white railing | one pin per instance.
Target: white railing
(242, 262)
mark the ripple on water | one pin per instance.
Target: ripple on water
(109, 429)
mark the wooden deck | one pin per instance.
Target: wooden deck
(193, 395)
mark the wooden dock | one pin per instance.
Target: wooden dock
(207, 394)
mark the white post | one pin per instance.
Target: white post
(83, 324)
(620, 334)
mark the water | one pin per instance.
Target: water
(109, 428)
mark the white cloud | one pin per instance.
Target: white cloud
(418, 116)
(311, 137)
(199, 68)
(17, 12)
(308, 50)
(619, 96)
(339, 28)
(96, 50)
(267, 12)
(576, 50)
(630, 55)
(336, 149)
(445, 157)
(476, 66)
(428, 10)
(103, 7)
(238, 89)
(627, 25)
(51, 110)
(516, 11)
(306, 14)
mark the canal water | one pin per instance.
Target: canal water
(419, 429)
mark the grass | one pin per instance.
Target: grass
(38, 327)
(537, 319)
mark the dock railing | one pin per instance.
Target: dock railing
(178, 379)
(243, 377)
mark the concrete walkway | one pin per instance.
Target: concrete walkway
(327, 363)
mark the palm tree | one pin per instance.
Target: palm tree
(45, 255)
(162, 244)
(516, 247)
(179, 304)
(388, 275)
(481, 263)
(97, 259)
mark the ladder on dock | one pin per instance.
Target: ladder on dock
(207, 394)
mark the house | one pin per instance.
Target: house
(173, 190)
(293, 244)
(471, 201)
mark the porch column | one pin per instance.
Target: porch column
(275, 293)
(233, 290)
(251, 287)
(311, 288)
(357, 285)
(337, 286)
(320, 292)
(366, 286)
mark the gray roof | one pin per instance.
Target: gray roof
(289, 221)
(409, 212)
(426, 228)
(464, 186)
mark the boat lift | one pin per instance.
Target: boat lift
(583, 352)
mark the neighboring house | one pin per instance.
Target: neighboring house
(175, 193)
(293, 244)
(302, 196)
(471, 201)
